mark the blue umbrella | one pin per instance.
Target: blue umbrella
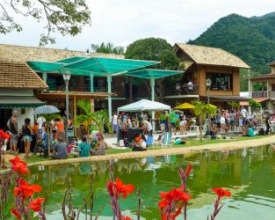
(46, 110)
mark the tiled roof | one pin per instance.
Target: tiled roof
(211, 56)
(18, 75)
(26, 53)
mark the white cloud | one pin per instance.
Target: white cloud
(123, 21)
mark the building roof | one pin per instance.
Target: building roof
(271, 63)
(270, 76)
(18, 75)
(26, 53)
(210, 56)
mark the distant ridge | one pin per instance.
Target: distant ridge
(252, 39)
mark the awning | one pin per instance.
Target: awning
(20, 102)
(259, 100)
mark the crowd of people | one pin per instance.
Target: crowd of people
(179, 122)
(135, 131)
(39, 137)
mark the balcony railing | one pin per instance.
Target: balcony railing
(173, 90)
(259, 94)
(77, 89)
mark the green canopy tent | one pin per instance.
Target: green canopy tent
(152, 75)
(92, 66)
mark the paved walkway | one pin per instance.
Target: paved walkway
(225, 146)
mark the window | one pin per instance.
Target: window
(220, 81)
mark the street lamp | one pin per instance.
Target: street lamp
(67, 77)
(208, 85)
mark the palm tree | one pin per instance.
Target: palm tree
(88, 117)
(91, 120)
(202, 110)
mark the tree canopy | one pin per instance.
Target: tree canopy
(107, 48)
(63, 16)
(153, 49)
(159, 50)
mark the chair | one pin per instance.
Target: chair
(166, 139)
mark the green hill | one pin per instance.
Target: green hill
(251, 39)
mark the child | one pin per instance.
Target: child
(139, 143)
(183, 124)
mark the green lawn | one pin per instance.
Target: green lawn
(191, 142)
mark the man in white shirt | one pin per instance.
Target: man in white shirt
(244, 114)
(40, 120)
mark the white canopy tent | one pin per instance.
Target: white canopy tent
(144, 105)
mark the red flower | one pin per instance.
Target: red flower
(35, 204)
(25, 189)
(125, 217)
(4, 135)
(172, 202)
(188, 169)
(116, 188)
(16, 213)
(221, 192)
(19, 165)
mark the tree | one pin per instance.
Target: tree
(91, 120)
(254, 105)
(108, 48)
(201, 111)
(159, 50)
(65, 17)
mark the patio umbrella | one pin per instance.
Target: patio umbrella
(185, 105)
(46, 110)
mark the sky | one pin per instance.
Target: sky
(121, 22)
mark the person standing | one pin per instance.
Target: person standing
(267, 124)
(34, 130)
(40, 120)
(147, 128)
(114, 122)
(173, 120)
(27, 136)
(13, 130)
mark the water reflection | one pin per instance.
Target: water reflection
(247, 173)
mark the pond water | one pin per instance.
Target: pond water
(248, 174)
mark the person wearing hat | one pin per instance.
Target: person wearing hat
(60, 149)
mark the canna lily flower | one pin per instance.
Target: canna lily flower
(221, 192)
(188, 169)
(35, 204)
(125, 217)
(4, 135)
(18, 165)
(217, 207)
(16, 213)
(25, 189)
(172, 202)
(116, 188)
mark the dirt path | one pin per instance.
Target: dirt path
(225, 146)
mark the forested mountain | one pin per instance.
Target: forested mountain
(251, 39)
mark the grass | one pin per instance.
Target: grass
(191, 142)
